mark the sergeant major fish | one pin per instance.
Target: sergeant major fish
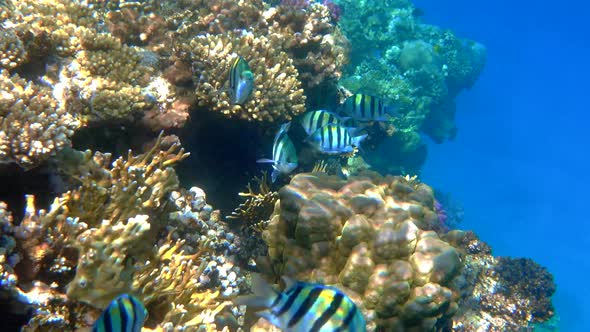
(124, 314)
(241, 81)
(335, 139)
(304, 307)
(284, 156)
(312, 121)
(363, 107)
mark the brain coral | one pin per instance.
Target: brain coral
(379, 239)
(374, 238)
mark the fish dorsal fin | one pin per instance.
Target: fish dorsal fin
(289, 282)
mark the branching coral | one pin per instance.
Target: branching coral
(117, 233)
(33, 123)
(277, 95)
(12, 50)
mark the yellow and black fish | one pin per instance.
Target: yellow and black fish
(241, 81)
(335, 139)
(362, 107)
(304, 307)
(314, 120)
(124, 314)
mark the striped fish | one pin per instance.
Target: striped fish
(312, 121)
(304, 307)
(124, 314)
(335, 139)
(241, 81)
(284, 156)
(363, 107)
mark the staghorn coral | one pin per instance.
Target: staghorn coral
(277, 95)
(33, 123)
(375, 238)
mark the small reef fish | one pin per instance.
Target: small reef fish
(363, 107)
(304, 307)
(314, 120)
(124, 314)
(284, 156)
(335, 139)
(241, 81)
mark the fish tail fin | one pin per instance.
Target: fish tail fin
(285, 127)
(263, 297)
(356, 141)
(354, 131)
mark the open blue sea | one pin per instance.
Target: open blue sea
(519, 163)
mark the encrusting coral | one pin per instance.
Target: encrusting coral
(310, 37)
(379, 240)
(120, 232)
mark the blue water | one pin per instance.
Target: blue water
(520, 161)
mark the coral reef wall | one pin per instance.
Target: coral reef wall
(100, 99)
(417, 67)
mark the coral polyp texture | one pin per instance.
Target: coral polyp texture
(379, 239)
(34, 124)
(318, 48)
(277, 94)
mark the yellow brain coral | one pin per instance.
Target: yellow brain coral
(372, 237)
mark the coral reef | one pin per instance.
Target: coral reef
(125, 224)
(318, 48)
(126, 228)
(118, 62)
(376, 238)
(34, 124)
(277, 95)
(499, 293)
(416, 67)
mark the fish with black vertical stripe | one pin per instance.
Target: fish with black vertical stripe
(304, 307)
(335, 139)
(362, 107)
(241, 81)
(284, 156)
(314, 120)
(124, 314)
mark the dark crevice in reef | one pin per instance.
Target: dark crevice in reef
(223, 156)
(15, 183)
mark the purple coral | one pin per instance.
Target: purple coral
(335, 9)
(440, 212)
